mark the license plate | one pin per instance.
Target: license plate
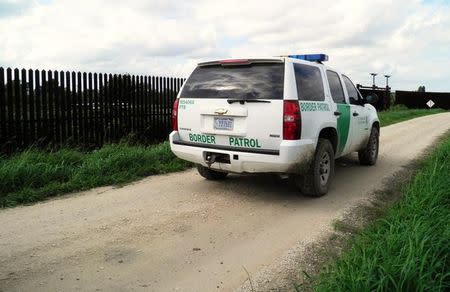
(221, 123)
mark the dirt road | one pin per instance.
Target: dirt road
(181, 232)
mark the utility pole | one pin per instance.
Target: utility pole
(387, 80)
(388, 93)
(373, 78)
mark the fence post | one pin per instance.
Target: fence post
(9, 94)
(31, 102)
(3, 109)
(68, 107)
(90, 112)
(132, 96)
(121, 105)
(17, 108)
(146, 106)
(152, 107)
(160, 106)
(96, 109)
(51, 107)
(84, 108)
(57, 107)
(141, 104)
(110, 94)
(62, 121)
(79, 108)
(74, 108)
(164, 110)
(101, 110)
(38, 98)
(115, 106)
(24, 108)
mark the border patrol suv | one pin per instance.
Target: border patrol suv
(288, 115)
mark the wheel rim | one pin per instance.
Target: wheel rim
(324, 168)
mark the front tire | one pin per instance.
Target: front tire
(210, 174)
(369, 155)
(316, 181)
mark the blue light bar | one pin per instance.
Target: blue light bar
(311, 57)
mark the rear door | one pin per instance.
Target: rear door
(311, 94)
(359, 116)
(234, 104)
(343, 113)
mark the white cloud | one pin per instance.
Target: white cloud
(408, 39)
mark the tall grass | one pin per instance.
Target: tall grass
(34, 175)
(400, 113)
(407, 250)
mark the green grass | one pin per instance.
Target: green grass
(400, 113)
(34, 175)
(408, 249)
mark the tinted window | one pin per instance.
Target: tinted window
(309, 82)
(335, 87)
(352, 92)
(256, 81)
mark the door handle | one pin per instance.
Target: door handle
(355, 114)
(337, 113)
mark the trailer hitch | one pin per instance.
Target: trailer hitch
(210, 158)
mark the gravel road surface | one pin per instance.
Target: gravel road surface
(179, 232)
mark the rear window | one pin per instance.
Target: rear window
(337, 93)
(255, 81)
(309, 82)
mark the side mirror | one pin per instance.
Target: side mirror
(371, 98)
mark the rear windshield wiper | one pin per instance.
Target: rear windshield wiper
(244, 100)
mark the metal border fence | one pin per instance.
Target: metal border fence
(82, 109)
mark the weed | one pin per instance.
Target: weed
(34, 175)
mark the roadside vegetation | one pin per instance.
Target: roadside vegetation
(408, 248)
(34, 175)
(400, 113)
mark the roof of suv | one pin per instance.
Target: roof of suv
(302, 59)
(242, 61)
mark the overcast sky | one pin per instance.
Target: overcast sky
(409, 39)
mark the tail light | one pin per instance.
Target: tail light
(175, 115)
(234, 62)
(292, 124)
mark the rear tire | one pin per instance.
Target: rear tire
(210, 174)
(316, 181)
(369, 155)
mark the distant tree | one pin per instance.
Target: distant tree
(421, 88)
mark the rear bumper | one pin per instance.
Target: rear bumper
(292, 157)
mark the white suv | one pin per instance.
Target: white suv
(287, 115)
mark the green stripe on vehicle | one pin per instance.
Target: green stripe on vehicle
(343, 126)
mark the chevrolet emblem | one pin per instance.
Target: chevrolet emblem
(221, 111)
